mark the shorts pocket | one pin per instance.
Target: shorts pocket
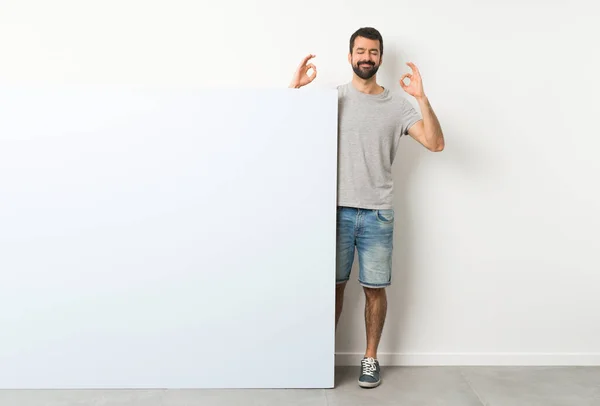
(385, 216)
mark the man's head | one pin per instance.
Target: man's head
(366, 51)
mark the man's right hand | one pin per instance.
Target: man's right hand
(301, 77)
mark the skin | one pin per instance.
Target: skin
(366, 56)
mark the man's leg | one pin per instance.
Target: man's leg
(375, 245)
(375, 312)
(339, 301)
(345, 247)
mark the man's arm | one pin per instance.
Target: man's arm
(428, 131)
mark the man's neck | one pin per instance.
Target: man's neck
(368, 86)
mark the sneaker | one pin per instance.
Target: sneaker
(369, 373)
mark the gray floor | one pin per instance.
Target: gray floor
(427, 386)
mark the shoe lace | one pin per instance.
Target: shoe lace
(368, 366)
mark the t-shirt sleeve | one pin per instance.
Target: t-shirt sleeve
(408, 116)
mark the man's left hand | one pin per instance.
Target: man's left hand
(415, 87)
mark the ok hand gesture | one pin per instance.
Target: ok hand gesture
(301, 77)
(415, 87)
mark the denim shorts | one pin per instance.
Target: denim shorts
(371, 233)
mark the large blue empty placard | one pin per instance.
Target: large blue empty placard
(167, 237)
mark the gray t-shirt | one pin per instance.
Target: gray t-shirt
(369, 131)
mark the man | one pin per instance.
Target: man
(371, 121)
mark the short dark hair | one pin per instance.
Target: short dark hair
(369, 33)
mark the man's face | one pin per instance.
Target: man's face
(365, 57)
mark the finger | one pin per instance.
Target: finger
(406, 75)
(306, 59)
(414, 68)
(314, 72)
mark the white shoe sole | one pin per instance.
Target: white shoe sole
(369, 384)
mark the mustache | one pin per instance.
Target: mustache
(365, 62)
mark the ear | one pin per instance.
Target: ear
(349, 58)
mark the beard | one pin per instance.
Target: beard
(365, 72)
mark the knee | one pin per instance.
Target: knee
(374, 293)
(339, 289)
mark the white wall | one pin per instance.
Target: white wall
(496, 239)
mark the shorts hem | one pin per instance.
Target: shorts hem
(374, 285)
